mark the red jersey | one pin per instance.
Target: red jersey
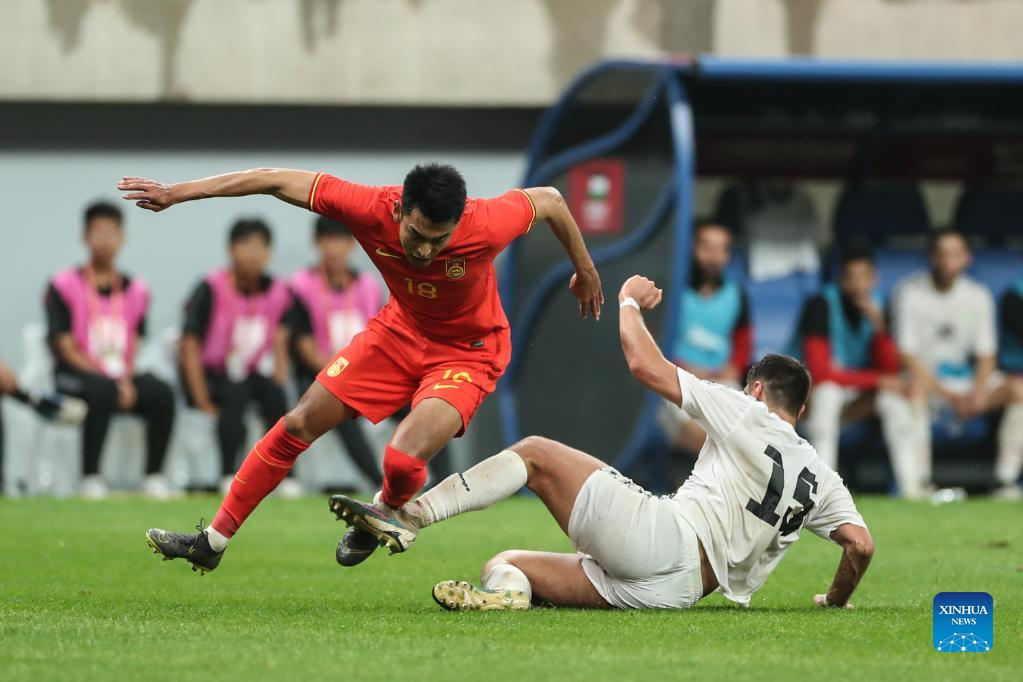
(455, 297)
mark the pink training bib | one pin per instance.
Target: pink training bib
(104, 327)
(336, 316)
(241, 327)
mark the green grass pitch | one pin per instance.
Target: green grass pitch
(81, 597)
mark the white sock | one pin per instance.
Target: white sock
(217, 541)
(504, 577)
(823, 423)
(1010, 446)
(493, 479)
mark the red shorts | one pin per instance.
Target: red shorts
(390, 365)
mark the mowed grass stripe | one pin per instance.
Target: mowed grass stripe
(81, 598)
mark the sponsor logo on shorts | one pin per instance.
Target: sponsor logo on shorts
(451, 375)
(454, 267)
(337, 367)
(963, 622)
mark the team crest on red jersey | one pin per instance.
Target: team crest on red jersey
(337, 367)
(454, 267)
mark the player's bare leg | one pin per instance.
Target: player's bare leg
(515, 578)
(317, 412)
(556, 473)
(552, 470)
(428, 427)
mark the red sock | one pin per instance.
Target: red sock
(264, 467)
(404, 475)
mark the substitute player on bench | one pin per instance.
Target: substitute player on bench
(756, 484)
(441, 342)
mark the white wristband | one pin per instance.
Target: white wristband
(629, 300)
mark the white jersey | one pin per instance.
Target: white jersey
(755, 485)
(945, 329)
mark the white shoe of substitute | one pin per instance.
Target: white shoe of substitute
(458, 595)
(290, 489)
(1008, 492)
(93, 488)
(156, 487)
(920, 493)
(72, 411)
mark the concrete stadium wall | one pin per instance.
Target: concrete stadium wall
(489, 52)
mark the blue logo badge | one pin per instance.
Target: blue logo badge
(964, 622)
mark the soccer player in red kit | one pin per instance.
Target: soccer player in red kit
(441, 342)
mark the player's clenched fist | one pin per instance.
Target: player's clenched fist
(641, 290)
(148, 194)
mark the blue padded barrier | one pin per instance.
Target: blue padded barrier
(997, 269)
(775, 305)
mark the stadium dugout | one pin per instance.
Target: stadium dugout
(652, 129)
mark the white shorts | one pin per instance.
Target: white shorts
(638, 552)
(962, 386)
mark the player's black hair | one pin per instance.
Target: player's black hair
(785, 379)
(246, 227)
(437, 190)
(328, 227)
(856, 252)
(942, 232)
(702, 223)
(102, 209)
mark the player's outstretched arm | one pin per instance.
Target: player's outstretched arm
(857, 551)
(585, 284)
(292, 186)
(646, 362)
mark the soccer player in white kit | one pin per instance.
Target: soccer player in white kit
(947, 332)
(755, 486)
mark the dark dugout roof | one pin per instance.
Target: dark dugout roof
(848, 120)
